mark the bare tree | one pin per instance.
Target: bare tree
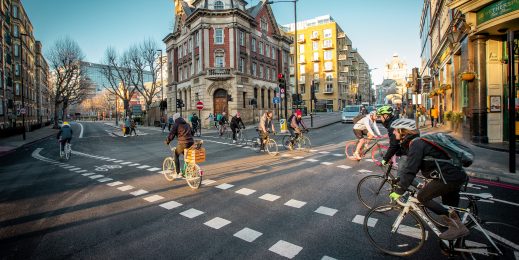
(69, 86)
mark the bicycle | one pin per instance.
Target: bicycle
(190, 169)
(270, 145)
(377, 150)
(400, 230)
(222, 130)
(195, 131)
(240, 137)
(301, 142)
(66, 152)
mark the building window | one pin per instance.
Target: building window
(15, 11)
(218, 5)
(327, 43)
(244, 97)
(260, 44)
(264, 25)
(261, 71)
(316, 56)
(179, 52)
(253, 44)
(302, 48)
(268, 73)
(329, 77)
(219, 59)
(267, 50)
(273, 74)
(328, 65)
(17, 89)
(464, 93)
(263, 98)
(316, 67)
(315, 88)
(301, 58)
(315, 46)
(199, 65)
(241, 65)
(17, 70)
(315, 34)
(327, 55)
(180, 74)
(16, 50)
(254, 69)
(190, 44)
(302, 69)
(327, 33)
(302, 87)
(218, 36)
(16, 32)
(185, 48)
(197, 40)
(273, 53)
(242, 38)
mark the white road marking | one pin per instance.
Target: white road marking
(324, 152)
(328, 258)
(338, 154)
(486, 201)
(369, 160)
(285, 249)
(118, 161)
(75, 169)
(245, 191)
(295, 203)
(411, 232)
(124, 163)
(311, 160)
(504, 201)
(313, 151)
(96, 176)
(326, 211)
(363, 171)
(105, 179)
(269, 197)
(81, 133)
(207, 182)
(344, 166)
(248, 234)
(359, 219)
(170, 205)
(191, 213)
(125, 188)
(285, 155)
(217, 223)
(81, 171)
(153, 169)
(224, 186)
(116, 183)
(299, 157)
(153, 198)
(88, 174)
(110, 160)
(134, 164)
(139, 192)
(476, 186)
(326, 163)
(143, 167)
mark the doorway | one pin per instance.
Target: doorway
(220, 102)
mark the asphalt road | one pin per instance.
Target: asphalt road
(110, 201)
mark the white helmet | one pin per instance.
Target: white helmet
(404, 123)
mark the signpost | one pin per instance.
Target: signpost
(200, 106)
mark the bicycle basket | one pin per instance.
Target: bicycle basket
(194, 155)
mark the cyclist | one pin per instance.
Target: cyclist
(387, 117)
(64, 135)
(194, 122)
(223, 120)
(235, 124)
(296, 120)
(447, 184)
(264, 127)
(367, 126)
(182, 131)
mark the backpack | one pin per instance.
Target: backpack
(460, 154)
(358, 117)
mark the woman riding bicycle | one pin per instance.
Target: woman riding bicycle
(364, 127)
(447, 185)
(296, 120)
(264, 127)
(235, 124)
(182, 131)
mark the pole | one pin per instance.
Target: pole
(23, 97)
(295, 54)
(200, 122)
(511, 102)
(116, 116)
(161, 83)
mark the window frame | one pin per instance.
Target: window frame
(216, 36)
(218, 5)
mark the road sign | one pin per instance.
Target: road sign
(282, 91)
(277, 89)
(199, 105)
(22, 111)
(275, 100)
(282, 95)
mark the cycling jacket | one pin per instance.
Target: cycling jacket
(65, 132)
(235, 122)
(367, 124)
(394, 145)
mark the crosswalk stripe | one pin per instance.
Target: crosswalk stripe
(344, 166)
(153, 169)
(326, 163)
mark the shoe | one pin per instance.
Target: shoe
(233, 141)
(456, 229)
(357, 156)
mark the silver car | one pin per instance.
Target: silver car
(349, 112)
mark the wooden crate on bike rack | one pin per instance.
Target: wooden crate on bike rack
(194, 155)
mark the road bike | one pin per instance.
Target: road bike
(195, 130)
(377, 150)
(190, 169)
(222, 130)
(301, 142)
(400, 230)
(66, 152)
(240, 136)
(270, 145)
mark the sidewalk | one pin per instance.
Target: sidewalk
(10, 144)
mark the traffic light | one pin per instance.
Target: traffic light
(229, 98)
(180, 103)
(163, 105)
(281, 81)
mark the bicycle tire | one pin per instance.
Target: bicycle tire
(407, 240)
(68, 151)
(504, 236)
(349, 150)
(377, 154)
(193, 175)
(272, 147)
(256, 144)
(373, 190)
(169, 168)
(304, 144)
(286, 143)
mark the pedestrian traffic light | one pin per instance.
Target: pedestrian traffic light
(179, 103)
(281, 81)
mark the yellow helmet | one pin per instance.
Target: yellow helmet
(65, 123)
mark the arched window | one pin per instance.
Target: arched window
(218, 5)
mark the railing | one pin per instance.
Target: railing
(221, 73)
(328, 46)
(328, 90)
(342, 56)
(345, 70)
(314, 37)
(341, 35)
(343, 79)
(316, 59)
(301, 40)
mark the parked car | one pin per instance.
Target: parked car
(349, 112)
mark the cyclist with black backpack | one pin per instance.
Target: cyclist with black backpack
(447, 179)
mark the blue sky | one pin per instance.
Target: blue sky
(378, 28)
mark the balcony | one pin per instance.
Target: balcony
(344, 48)
(343, 80)
(314, 37)
(345, 70)
(328, 69)
(291, 50)
(316, 59)
(328, 46)
(341, 35)
(292, 70)
(218, 73)
(342, 57)
(301, 39)
(353, 50)
(301, 61)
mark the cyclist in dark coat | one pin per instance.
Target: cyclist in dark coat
(65, 135)
(182, 131)
(235, 124)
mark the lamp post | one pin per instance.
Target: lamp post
(295, 43)
(161, 83)
(21, 74)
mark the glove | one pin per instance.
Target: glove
(394, 196)
(383, 162)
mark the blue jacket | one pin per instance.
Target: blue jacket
(65, 132)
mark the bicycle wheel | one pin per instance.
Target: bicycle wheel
(377, 153)
(503, 235)
(304, 144)
(406, 239)
(193, 175)
(271, 147)
(287, 144)
(168, 168)
(350, 150)
(67, 151)
(374, 190)
(256, 144)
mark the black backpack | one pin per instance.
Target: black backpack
(460, 155)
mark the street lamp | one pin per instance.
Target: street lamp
(369, 88)
(161, 82)
(295, 41)
(21, 74)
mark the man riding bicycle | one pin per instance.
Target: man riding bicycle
(446, 181)
(387, 118)
(264, 127)
(223, 120)
(182, 131)
(296, 120)
(235, 124)
(194, 123)
(364, 127)
(64, 135)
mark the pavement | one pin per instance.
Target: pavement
(12, 143)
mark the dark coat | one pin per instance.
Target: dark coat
(182, 131)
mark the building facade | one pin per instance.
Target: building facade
(465, 63)
(226, 56)
(44, 107)
(327, 63)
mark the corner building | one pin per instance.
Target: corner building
(226, 56)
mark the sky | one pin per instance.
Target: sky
(377, 28)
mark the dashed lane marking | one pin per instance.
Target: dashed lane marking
(81, 171)
(143, 167)
(326, 163)
(311, 160)
(207, 182)
(344, 166)
(96, 176)
(134, 164)
(248, 234)
(285, 155)
(313, 151)
(359, 219)
(153, 169)
(269, 197)
(153, 198)
(170, 205)
(104, 180)
(224, 186)
(324, 152)
(364, 170)
(245, 191)
(118, 161)
(88, 174)
(285, 249)
(326, 211)
(191, 213)
(124, 163)
(139, 192)
(299, 157)
(328, 258)
(125, 188)
(338, 154)
(295, 203)
(113, 184)
(217, 223)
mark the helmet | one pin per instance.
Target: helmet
(299, 113)
(404, 123)
(385, 110)
(65, 123)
